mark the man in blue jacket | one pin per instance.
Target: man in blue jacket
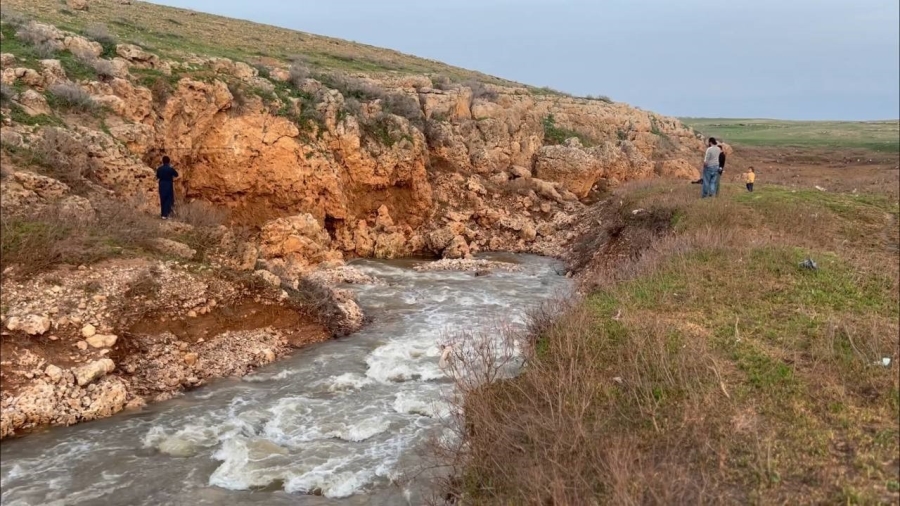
(166, 176)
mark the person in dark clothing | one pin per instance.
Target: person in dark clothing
(721, 170)
(166, 176)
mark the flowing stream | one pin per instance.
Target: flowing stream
(337, 423)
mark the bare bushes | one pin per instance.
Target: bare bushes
(299, 73)
(441, 82)
(70, 96)
(599, 98)
(198, 213)
(239, 98)
(50, 237)
(105, 69)
(7, 93)
(13, 18)
(41, 37)
(206, 232)
(63, 157)
(405, 106)
(101, 34)
(480, 90)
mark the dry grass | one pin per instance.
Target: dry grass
(206, 222)
(60, 155)
(705, 366)
(52, 236)
(70, 96)
(40, 37)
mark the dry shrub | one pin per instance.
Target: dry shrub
(7, 93)
(50, 237)
(101, 33)
(63, 157)
(352, 106)
(160, 90)
(538, 439)
(405, 106)
(200, 214)
(40, 37)
(352, 87)
(240, 100)
(12, 17)
(299, 73)
(206, 221)
(71, 96)
(104, 68)
(441, 82)
(145, 286)
(480, 90)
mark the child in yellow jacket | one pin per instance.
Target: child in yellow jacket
(750, 178)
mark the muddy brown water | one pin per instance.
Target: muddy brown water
(340, 422)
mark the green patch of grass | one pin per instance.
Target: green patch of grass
(76, 69)
(848, 205)
(547, 91)
(383, 131)
(554, 134)
(25, 54)
(883, 136)
(18, 115)
(763, 372)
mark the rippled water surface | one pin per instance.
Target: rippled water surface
(343, 418)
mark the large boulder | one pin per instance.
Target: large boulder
(82, 48)
(33, 325)
(573, 167)
(93, 371)
(34, 103)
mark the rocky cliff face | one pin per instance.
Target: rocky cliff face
(308, 171)
(471, 168)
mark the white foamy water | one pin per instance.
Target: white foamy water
(338, 423)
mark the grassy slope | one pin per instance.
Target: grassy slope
(714, 369)
(173, 32)
(877, 135)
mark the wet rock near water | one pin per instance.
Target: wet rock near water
(344, 274)
(480, 267)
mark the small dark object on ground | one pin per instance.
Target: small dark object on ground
(810, 264)
(699, 181)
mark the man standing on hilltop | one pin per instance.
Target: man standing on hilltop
(710, 171)
(166, 176)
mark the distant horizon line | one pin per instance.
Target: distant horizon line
(709, 118)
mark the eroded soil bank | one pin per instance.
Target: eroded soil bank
(86, 343)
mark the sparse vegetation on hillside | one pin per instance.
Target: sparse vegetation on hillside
(49, 237)
(555, 134)
(71, 97)
(100, 33)
(708, 366)
(174, 32)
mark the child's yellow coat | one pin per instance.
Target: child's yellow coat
(750, 177)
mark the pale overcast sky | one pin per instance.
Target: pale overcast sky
(791, 59)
